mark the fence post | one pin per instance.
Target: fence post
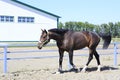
(115, 54)
(5, 59)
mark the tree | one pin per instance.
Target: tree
(109, 28)
(60, 25)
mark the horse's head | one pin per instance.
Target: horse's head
(44, 39)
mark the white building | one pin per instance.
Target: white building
(22, 22)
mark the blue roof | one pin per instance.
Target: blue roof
(24, 4)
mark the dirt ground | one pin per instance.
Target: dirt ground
(39, 66)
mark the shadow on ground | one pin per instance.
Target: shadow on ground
(104, 68)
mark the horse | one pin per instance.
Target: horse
(69, 40)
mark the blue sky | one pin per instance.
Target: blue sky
(92, 11)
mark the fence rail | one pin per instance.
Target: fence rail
(5, 58)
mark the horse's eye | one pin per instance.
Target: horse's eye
(44, 37)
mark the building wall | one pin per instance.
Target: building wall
(16, 31)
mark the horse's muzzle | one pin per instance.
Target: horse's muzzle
(39, 45)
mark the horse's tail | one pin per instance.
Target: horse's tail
(107, 39)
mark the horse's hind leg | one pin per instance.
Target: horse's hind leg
(89, 60)
(98, 61)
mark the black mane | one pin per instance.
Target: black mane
(59, 31)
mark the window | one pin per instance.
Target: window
(6, 18)
(11, 18)
(26, 19)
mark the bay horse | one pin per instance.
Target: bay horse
(68, 40)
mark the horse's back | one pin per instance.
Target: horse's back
(80, 39)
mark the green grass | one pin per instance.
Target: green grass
(116, 39)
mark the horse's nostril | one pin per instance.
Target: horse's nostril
(39, 47)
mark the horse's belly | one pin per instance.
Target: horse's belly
(80, 45)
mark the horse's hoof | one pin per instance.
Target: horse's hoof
(83, 70)
(56, 73)
(79, 70)
(59, 72)
(74, 70)
(98, 70)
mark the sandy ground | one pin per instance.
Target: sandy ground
(44, 68)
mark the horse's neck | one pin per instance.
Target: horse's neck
(55, 36)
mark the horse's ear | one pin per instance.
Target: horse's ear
(42, 30)
(45, 30)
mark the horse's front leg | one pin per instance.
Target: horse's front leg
(71, 61)
(61, 54)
